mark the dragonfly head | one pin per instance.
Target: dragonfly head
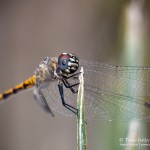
(68, 63)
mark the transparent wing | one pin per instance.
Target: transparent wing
(111, 92)
(52, 96)
(40, 99)
(129, 81)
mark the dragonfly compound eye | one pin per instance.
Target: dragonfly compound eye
(68, 63)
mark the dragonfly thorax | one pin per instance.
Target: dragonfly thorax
(68, 63)
(46, 71)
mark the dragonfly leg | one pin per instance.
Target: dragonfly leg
(68, 85)
(73, 76)
(74, 91)
(71, 108)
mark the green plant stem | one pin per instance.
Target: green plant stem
(81, 122)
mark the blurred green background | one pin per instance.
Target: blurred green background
(110, 31)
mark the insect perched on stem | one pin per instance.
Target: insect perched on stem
(111, 92)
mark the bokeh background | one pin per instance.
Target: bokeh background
(110, 31)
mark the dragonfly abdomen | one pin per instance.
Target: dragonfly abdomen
(29, 83)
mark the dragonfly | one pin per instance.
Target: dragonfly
(111, 92)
